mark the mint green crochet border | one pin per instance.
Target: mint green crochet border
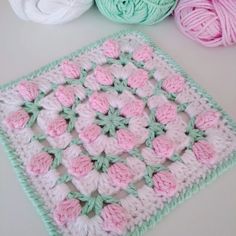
(184, 195)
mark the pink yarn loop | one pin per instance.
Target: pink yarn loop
(115, 218)
(57, 127)
(138, 78)
(126, 139)
(28, 90)
(166, 113)
(67, 211)
(90, 133)
(133, 108)
(65, 95)
(103, 76)
(39, 164)
(173, 84)
(207, 119)
(120, 174)
(99, 102)
(143, 53)
(210, 22)
(17, 119)
(80, 166)
(165, 184)
(204, 152)
(163, 147)
(70, 69)
(111, 48)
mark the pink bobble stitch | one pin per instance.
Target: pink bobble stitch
(17, 119)
(120, 175)
(70, 70)
(166, 113)
(90, 133)
(143, 53)
(163, 147)
(206, 120)
(80, 166)
(57, 127)
(39, 164)
(138, 78)
(99, 102)
(173, 84)
(66, 211)
(111, 48)
(204, 152)
(103, 76)
(164, 184)
(28, 90)
(134, 108)
(115, 218)
(65, 96)
(126, 139)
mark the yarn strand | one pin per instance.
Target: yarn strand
(146, 12)
(212, 23)
(50, 11)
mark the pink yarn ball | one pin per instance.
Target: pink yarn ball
(209, 22)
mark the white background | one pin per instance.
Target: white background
(26, 46)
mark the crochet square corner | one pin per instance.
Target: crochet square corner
(110, 138)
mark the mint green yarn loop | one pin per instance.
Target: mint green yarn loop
(131, 189)
(64, 179)
(146, 12)
(111, 122)
(92, 203)
(57, 153)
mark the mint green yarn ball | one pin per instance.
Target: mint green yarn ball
(136, 11)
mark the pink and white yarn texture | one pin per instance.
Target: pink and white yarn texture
(111, 135)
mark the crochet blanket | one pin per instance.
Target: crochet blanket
(109, 139)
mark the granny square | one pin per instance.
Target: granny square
(109, 139)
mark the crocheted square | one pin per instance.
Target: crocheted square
(109, 139)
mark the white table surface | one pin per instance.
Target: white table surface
(25, 46)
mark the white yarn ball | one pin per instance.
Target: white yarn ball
(50, 11)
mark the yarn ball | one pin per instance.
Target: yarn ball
(212, 23)
(136, 11)
(50, 11)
